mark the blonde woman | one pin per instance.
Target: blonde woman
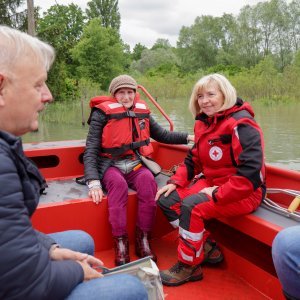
(222, 175)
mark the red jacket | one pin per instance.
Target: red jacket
(229, 152)
(125, 130)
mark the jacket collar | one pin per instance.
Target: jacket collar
(13, 141)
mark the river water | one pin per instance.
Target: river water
(280, 124)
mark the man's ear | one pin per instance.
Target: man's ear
(1, 90)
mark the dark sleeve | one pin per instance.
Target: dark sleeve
(45, 240)
(91, 154)
(27, 272)
(251, 158)
(162, 135)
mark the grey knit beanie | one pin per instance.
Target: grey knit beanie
(122, 81)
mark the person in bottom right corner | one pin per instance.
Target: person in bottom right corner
(286, 258)
(223, 175)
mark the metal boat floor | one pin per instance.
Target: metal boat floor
(218, 283)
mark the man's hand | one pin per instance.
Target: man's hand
(67, 254)
(86, 261)
(87, 266)
(166, 190)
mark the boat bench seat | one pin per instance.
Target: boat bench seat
(261, 225)
(59, 190)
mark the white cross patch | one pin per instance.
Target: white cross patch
(215, 153)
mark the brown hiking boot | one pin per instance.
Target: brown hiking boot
(121, 245)
(181, 273)
(212, 253)
(142, 244)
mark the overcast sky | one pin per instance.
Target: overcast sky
(144, 21)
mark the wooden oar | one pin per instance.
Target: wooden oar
(291, 211)
(294, 204)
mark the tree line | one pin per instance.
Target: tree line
(258, 49)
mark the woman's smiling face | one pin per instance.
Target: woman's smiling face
(125, 96)
(210, 99)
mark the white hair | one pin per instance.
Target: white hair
(15, 44)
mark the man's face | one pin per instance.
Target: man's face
(23, 95)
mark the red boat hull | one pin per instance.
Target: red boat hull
(246, 273)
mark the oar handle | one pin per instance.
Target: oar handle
(294, 204)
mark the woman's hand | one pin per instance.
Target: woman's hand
(95, 190)
(208, 190)
(190, 138)
(96, 194)
(166, 190)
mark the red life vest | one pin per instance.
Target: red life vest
(126, 130)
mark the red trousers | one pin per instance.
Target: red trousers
(187, 208)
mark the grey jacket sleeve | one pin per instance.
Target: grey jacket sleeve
(94, 166)
(162, 135)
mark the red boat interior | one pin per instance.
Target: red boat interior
(247, 271)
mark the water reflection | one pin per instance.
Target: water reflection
(279, 122)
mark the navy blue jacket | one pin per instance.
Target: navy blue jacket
(26, 271)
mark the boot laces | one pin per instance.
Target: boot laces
(177, 267)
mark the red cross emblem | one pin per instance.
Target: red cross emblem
(215, 153)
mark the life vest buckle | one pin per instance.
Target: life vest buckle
(130, 114)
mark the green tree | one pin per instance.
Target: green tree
(198, 45)
(227, 52)
(9, 14)
(99, 54)
(154, 59)
(294, 25)
(282, 40)
(161, 43)
(137, 51)
(268, 28)
(107, 11)
(273, 22)
(62, 27)
(247, 38)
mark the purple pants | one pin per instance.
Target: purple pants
(116, 183)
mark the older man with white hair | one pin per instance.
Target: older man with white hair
(34, 265)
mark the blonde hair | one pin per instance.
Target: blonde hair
(15, 44)
(222, 83)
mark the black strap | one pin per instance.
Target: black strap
(117, 151)
(80, 180)
(128, 114)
